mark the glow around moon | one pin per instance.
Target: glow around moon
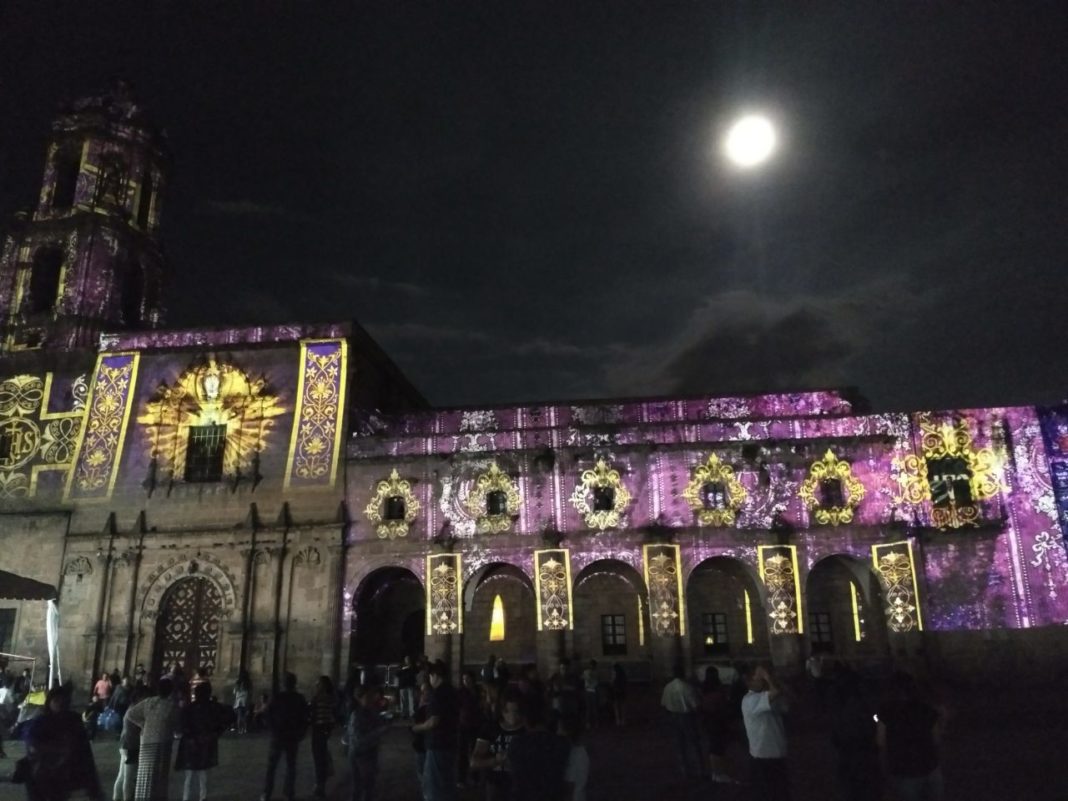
(750, 141)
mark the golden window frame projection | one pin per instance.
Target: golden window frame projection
(493, 480)
(391, 487)
(601, 476)
(830, 467)
(716, 472)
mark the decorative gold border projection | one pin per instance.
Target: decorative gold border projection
(315, 444)
(375, 512)
(949, 440)
(896, 569)
(715, 471)
(552, 582)
(831, 467)
(444, 610)
(96, 461)
(778, 570)
(493, 480)
(663, 577)
(601, 476)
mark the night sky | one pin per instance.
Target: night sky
(528, 203)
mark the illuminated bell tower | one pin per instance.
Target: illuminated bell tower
(88, 259)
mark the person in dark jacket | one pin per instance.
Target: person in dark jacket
(61, 759)
(287, 720)
(365, 730)
(322, 721)
(201, 724)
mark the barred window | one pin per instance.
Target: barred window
(613, 635)
(204, 453)
(714, 631)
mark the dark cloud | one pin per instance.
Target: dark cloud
(526, 201)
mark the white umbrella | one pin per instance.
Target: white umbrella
(52, 627)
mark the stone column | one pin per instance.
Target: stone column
(787, 652)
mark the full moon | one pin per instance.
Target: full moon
(750, 141)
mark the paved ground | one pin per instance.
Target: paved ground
(996, 748)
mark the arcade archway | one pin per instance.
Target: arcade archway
(844, 610)
(389, 618)
(188, 629)
(505, 628)
(612, 616)
(725, 614)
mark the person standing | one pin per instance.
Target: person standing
(120, 697)
(102, 688)
(469, 716)
(202, 721)
(365, 731)
(242, 696)
(58, 750)
(908, 733)
(441, 728)
(763, 708)
(619, 694)
(717, 723)
(287, 719)
(681, 702)
(322, 722)
(538, 760)
(157, 718)
(406, 688)
(491, 749)
(590, 683)
(129, 747)
(577, 772)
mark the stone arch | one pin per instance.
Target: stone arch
(725, 610)
(832, 621)
(611, 588)
(177, 567)
(388, 609)
(516, 590)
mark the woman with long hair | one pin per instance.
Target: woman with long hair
(60, 759)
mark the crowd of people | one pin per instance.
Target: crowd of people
(504, 735)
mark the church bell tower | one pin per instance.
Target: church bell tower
(88, 259)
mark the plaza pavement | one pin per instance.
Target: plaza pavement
(996, 747)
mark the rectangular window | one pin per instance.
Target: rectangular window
(7, 629)
(204, 453)
(819, 632)
(613, 635)
(950, 480)
(714, 632)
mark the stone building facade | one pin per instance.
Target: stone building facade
(280, 498)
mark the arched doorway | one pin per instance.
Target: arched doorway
(188, 627)
(726, 616)
(511, 633)
(844, 610)
(612, 616)
(389, 618)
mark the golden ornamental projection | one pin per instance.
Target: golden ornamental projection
(393, 507)
(33, 439)
(493, 501)
(552, 579)
(600, 497)
(100, 449)
(217, 395)
(714, 493)
(895, 567)
(315, 444)
(952, 474)
(831, 491)
(444, 612)
(663, 577)
(778, 570)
